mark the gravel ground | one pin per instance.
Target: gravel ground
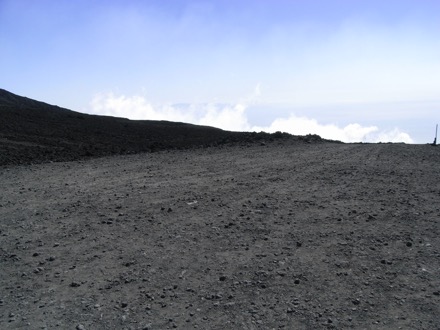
(284, 235)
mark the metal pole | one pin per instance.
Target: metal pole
(435, 140)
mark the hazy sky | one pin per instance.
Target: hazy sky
(352, 70)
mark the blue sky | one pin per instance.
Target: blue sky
(354, 70)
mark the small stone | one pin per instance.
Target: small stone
(296, 281)
(36, 254)
(80, 327)
(75, 284)
(408, 244)
(38, 270)
(222, 278)
(124, 304)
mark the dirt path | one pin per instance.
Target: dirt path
(292, 236)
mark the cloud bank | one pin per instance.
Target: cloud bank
(233, 117)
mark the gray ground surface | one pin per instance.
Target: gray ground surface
(292, 236)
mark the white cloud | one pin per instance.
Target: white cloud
(303, 126)
(135, 107)
(228, 117)
(234, 118)
(350, 133)
(394, 135)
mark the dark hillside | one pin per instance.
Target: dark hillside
(34, 132)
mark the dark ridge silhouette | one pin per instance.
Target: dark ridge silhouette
(34, 132)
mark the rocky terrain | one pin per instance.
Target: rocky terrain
(267, 233)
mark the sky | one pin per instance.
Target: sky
(348, 70)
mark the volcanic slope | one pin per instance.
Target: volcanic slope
(35, 132)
